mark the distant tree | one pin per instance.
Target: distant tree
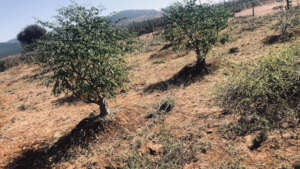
(194, 26)
(31, 34)
(83, 54)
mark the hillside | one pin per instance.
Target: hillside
(38, 130)
(9, 48)
(13, 41)
(129, 16)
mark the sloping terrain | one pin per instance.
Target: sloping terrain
(268, 8)
(38, 130)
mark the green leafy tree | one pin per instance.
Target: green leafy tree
(194, 26)
(82, 54)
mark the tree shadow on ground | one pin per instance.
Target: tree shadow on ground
(66, 99)
(273, 39)
(81, 136)
(189, 74)
(29, 78)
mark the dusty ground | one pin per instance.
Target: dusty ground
(35, 122)
(265, 9)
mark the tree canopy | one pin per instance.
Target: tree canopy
(82, 54)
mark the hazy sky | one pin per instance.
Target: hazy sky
(17, 14)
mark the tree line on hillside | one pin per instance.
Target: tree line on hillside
(147, 26)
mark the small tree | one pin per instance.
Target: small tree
(195, 27)
(82, 55)
(31, 34)
(288, 18)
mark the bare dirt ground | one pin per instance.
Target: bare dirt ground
(265, 9)
(34, 125)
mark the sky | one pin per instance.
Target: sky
(17, 14)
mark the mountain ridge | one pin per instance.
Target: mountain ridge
(134, 15)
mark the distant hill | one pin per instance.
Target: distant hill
(129, 16)
(13, 41)
(10, 47)
(13, 46)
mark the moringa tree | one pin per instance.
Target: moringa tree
(194, 26)
(82, 55)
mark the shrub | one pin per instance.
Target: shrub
(162, 108)
(176, 154)
(166, 105)
(11, 61)
(231, 164)
(259, 139)
(287, 19)
(265, 94)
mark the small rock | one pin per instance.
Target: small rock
(57, 134)
(209, 131)
(154, 149)
(248, 140)
(150, 115)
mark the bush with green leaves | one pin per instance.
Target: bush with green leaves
(193, 26)
(82, 54)
(265, 95)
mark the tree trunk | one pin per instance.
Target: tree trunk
(201, 64)
(103, 107)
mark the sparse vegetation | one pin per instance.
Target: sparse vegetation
(288, 19)
(12, 61)
(162, 108)
(175, 154)
(231, 164)
(259, 139)
(265, 95)
(254, 125)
